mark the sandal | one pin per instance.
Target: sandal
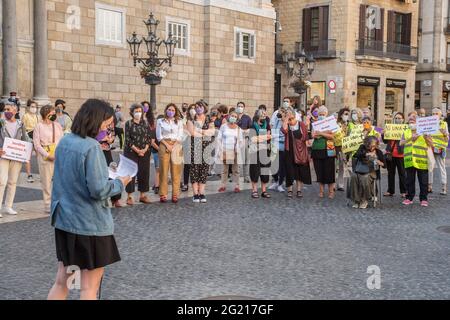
(388, 194)
(174, 199)
(299, 194)
(237, 190)
(265, 195)
(222, 189)
(289, 194)
(145, 200)
(163, 199)
(331, 195)
(255, 195)
(130, 201)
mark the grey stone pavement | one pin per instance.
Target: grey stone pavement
(267, 249)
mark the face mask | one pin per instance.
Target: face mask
(321, 118)
(146, 109)
(170, 114)
(33, 110)
(52, 117)
(192, 113)
(367, 126)
(286, 104)
(232, 119)
(315, 114)
(101, 135)
(398, 121)
(199, 110)
(240, 110)
(9, 115)
(354, 117)
(412, 126)
(345, 118)
(137, 116)
(58, 110)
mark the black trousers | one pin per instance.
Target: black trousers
(186, 170)
(143, 174)
(109, 159)
(119, 133)
(422, 176)
(281, 174)
(396, 165)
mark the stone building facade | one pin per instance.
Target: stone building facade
(433, 69)
(366, 48)
(76, 49)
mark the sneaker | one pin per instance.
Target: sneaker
(196, 198)
(281, 189)
(30, 179)
(444, 190)
(355, 206)
(424, 203)
(10, 211)
(364, 205)
(203, 198)
(273, 186)
(407, 202)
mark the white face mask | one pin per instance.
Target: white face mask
(286, 104)
(138, 116)
(33, 110)
(354, 117)
(240, 110)
(345, 118)
(192, 113)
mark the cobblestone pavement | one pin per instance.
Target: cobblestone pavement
(270, 249)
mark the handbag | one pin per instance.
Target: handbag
(362, 168)
(51, 148)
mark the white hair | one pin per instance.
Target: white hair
(437, 110)
(323, 109)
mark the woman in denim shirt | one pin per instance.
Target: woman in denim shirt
(80, 213)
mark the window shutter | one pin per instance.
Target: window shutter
(362, 21)
(238, 44)
(306, 35)
(323, 27)
(379, 33)
(406, 36)
(252, 53)
(391, 27)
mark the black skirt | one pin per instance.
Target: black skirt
(85, 252)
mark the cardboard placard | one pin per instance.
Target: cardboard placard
(17, 150)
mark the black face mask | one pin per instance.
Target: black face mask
(52, 117)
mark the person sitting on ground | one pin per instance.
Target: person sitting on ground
(369, 159)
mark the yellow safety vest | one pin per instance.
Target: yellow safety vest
(439, 139)
(415, 154)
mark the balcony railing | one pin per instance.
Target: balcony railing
(365, 47)
(321, 49)
(278, 53)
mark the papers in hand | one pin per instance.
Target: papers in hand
(126, 168)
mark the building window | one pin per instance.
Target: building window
(245, 44)
(110, 25)
(180, 30)
(399, 28)
(315, 28)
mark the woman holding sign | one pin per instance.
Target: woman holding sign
(83, 222)
(324, 155)
(416, 162)
(46, 137)
(440, 141)
(394, 160)
(11, 128)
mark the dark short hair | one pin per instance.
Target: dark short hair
(30, 102)
(223, 109)
(135, 106)
(90, 117)
(341, 112)
(45, 111)
(262, 107)
(203, 104)
(60, 101)
(240, 102)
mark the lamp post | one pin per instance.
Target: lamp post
(152, 66)
(301, 66)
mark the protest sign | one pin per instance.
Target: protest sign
(358, 129)
(352, 143)
(427, 125)
(328, 124)
(394, 131)
(17, 150)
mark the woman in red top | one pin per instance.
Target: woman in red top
(394, 162)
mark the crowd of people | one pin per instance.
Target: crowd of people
(190, 144)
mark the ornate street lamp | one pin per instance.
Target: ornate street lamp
(300, 66)
(153, 67)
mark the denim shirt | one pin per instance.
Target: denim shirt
(81, 188)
